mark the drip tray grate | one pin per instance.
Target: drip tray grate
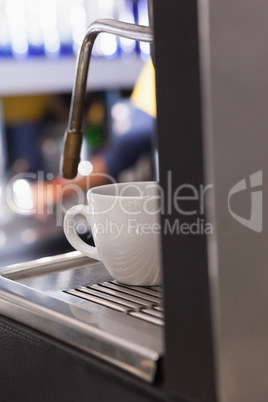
(144, 303)
(75, 300)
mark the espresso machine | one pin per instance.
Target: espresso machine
(69, 331)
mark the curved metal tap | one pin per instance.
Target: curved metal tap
(73, 134)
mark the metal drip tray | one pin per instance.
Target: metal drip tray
(141, 303)
(75, 300)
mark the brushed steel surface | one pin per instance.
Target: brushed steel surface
(234, 59)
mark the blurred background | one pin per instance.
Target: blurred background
(39, 41)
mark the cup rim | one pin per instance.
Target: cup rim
(94, 190)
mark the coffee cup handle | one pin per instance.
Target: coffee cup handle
(71, 233)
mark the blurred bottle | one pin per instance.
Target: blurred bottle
(64, 27)
(48, 20)
(143, 19)
(106, 45)
(5, 35)
(96, 133)
(77, 14)
(16, 18)
(33, 28)
(126, 12)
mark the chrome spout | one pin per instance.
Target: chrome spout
(73, 134)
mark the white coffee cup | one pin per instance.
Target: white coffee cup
(124, 221)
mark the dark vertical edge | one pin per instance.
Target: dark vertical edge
(189, 369)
